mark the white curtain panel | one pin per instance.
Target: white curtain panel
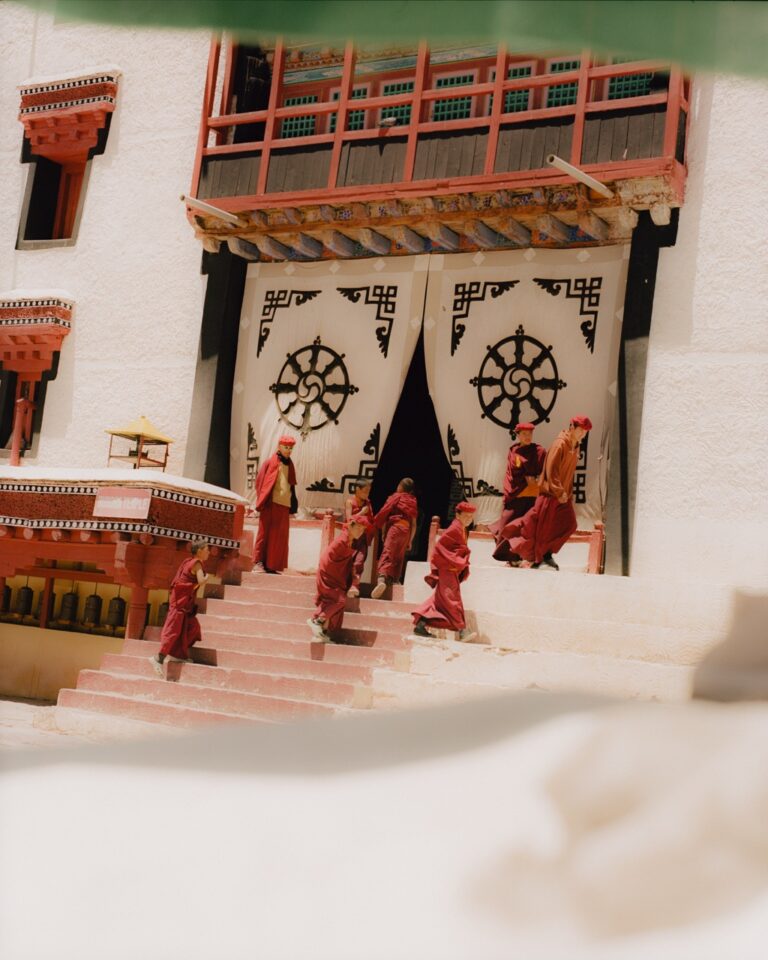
(323, 352)
(528, 335)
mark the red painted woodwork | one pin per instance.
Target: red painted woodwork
(591, 79)
(44, 523)
(62, 119)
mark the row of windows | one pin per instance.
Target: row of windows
(460, 108)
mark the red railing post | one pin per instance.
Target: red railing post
(422, 66)
(208, 94)
(345, 95)
(137, 613)
(275, 94)
(596, 549)
(497, 110)
(328, 530)
(672, 119)
(582, 96)
(226, 89)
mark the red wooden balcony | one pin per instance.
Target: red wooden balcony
(435, 149)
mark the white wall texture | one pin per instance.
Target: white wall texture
(701, 509)
(135, 269)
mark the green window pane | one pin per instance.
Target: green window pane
(355, 118)
(564, 93)
(515, 101)
(403, 111)
(457, 109)
(303, 126)
(637, 85)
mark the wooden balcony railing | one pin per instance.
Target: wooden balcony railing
(653, 126)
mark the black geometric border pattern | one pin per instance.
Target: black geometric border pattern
(587, 291)
(275, 300)
(483, 489)
(465, 294)
(366, 468)
(120, 527)
(94, 492)
(194, 501)
(48, 488)
(385, 300)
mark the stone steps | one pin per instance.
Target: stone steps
(244, 681)
(205, 698)
(82, 701)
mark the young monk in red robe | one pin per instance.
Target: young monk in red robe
(449, 568)
(397, 518)
(334, 575)
(359, 504)
(552, 520)
(275, 501)
(182, 628)
(525, 461)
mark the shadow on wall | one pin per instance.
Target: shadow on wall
(737, 669)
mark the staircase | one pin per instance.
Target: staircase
(257, 662)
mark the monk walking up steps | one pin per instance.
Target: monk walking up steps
(182, 628)
(449, 564)
(397, 518)
(275, 501)
(334, 575)
(525, 462)
(552, 520)
(359, 503)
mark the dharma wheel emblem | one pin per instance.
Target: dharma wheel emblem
(312, 388)
(518, 380)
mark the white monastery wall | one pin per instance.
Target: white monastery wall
(134, 271)
(703, 463)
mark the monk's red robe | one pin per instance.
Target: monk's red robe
(449, 567)
(519, 493)
(271, 547)
(549, 524)
(181, 628)
(334, 576)
(395, 519)
(352, 507)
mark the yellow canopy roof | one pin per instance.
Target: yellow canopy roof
(140, 428)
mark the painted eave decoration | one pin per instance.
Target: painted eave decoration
(32, 330)
(62, 116)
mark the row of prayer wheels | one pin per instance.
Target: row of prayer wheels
(68, 609)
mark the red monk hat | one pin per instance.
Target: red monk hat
(465, 507)
(524, 426)
(584, 422)
(286, 440)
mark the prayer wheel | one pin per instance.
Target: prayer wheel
(116, 612)
(24, 601)
(5, 599)
(162, 613)
(69, 604)
(92, 610)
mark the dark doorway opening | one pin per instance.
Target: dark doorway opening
(414, 449)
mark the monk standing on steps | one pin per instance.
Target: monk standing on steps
(359, 503)
(525, 461)
(552, 520)
(397, 518)
(182, 628)
(275, 501)
(449, 565)
(334, 575)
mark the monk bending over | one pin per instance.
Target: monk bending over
(525, 461)
(334, 575)
(275, 501)
(359, 503)
(551, 520)
(449, 565)
(182, 628)
(397, 518)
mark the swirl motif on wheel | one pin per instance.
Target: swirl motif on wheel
(518, 380)
(312, 387)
